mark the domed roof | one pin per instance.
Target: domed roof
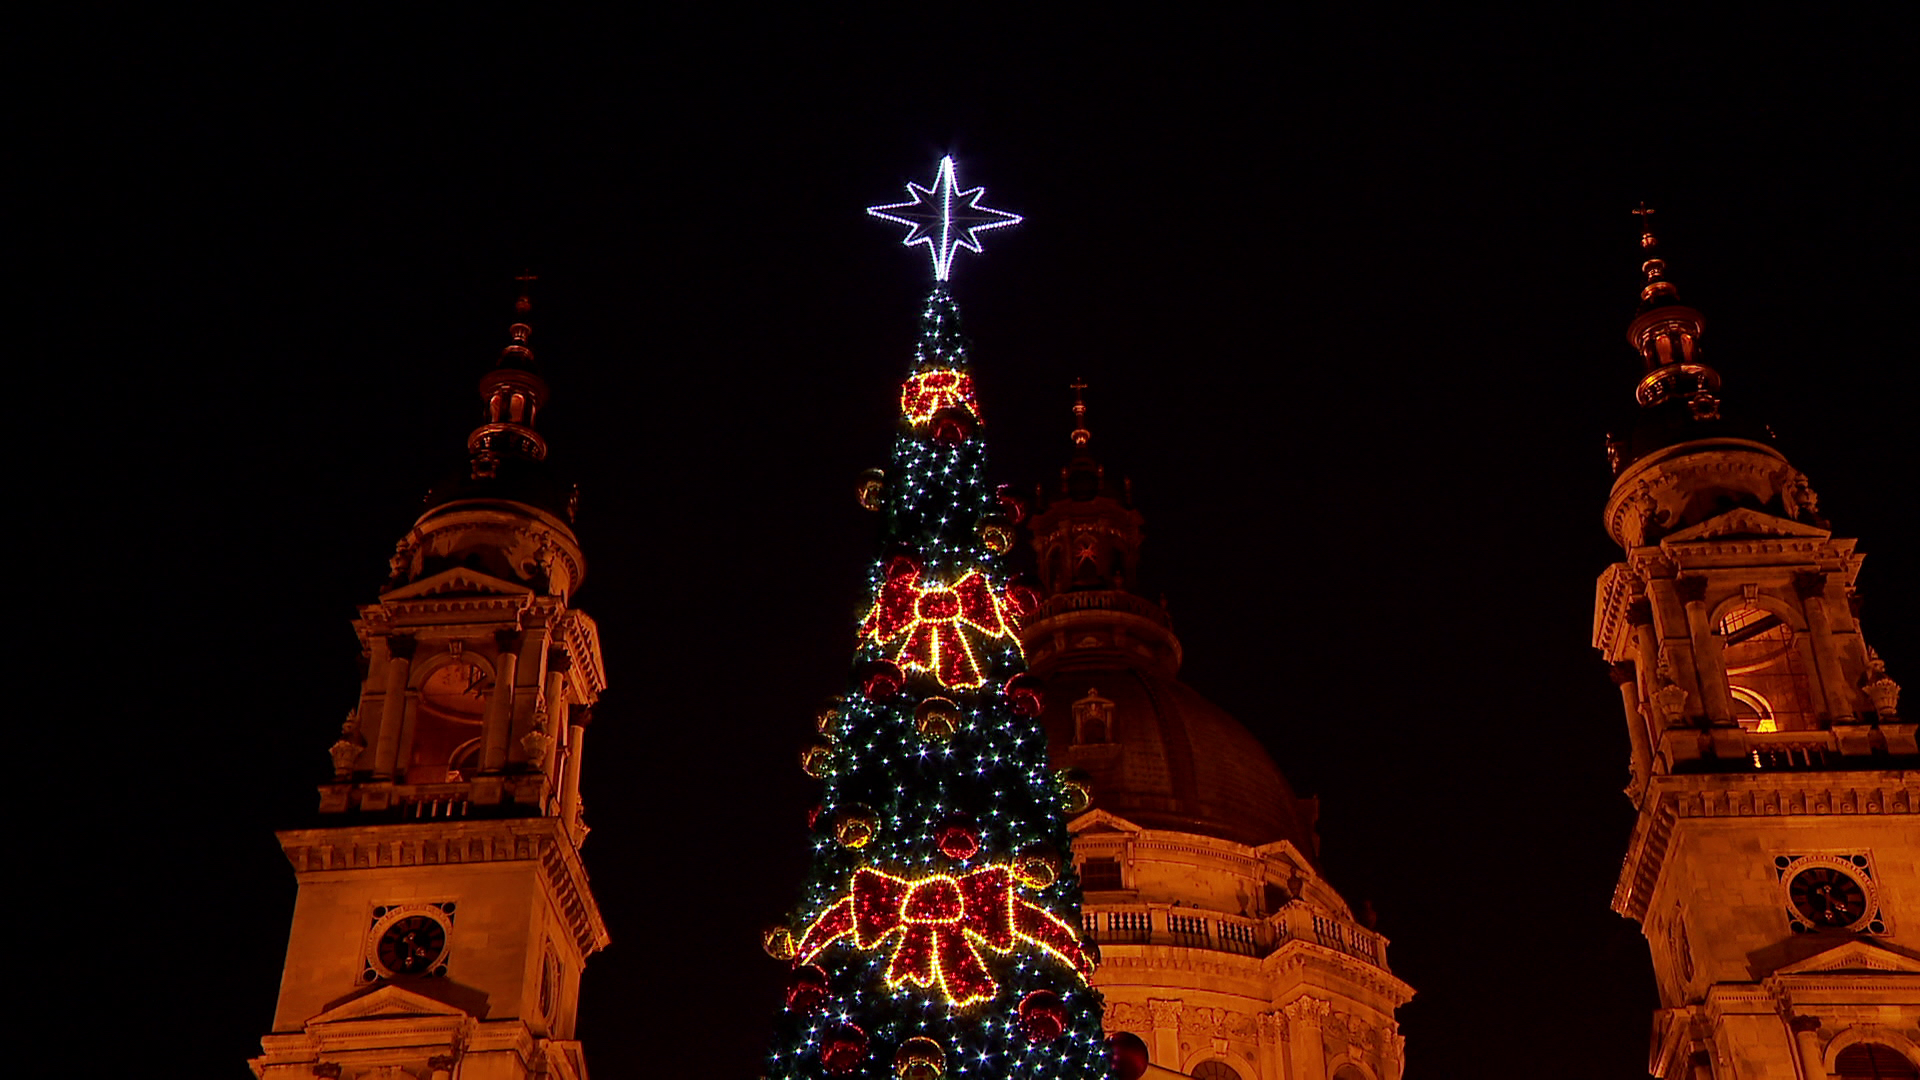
(1170, 759)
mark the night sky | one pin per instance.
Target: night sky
(1351, 300)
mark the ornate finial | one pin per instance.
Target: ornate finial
(1080, 432)
(1645, 213)
(944, 218)
(521, 305)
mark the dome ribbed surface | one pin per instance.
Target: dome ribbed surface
(1176, 760)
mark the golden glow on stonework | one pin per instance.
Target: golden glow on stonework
(941, 922)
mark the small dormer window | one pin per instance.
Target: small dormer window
(1093, 719)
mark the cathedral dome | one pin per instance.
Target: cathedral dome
(1164, 757)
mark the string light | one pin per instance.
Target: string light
(943, 218)
(941, 920)
(963, 924)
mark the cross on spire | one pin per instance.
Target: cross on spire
(1645, 214)
(526, 278)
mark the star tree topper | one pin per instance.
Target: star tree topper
(944, 218)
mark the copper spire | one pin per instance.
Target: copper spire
(1080, 432)
(1657, 290)
(519, 354)
(1666, 334)
(513, 392)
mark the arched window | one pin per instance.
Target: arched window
(447, 721)
(1214, 1070)
(1765, 674)
(1873, 1061)
(1348, 1072)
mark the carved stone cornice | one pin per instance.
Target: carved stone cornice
(1672, 798)
(542, 840)
(1296, 956)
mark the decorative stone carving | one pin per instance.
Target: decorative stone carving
(327, 1070)
(1122, 1016)
(1273, 1027)
(1307, 1009)
(1670, 699)
(536, 743)
(1799, 499)
(1882, 691)
(346, 751)
(1166, 1013)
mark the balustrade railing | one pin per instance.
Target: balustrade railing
(1775, 751)
(1195, 929)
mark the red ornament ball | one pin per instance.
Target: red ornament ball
(843, 1050)
(1013, 506)
(957, 840)
(808, 988)
(1043, 1016)
(880, 679)
(1129, 1055)
(1022, 600)
(1024, 691)
(952, 426)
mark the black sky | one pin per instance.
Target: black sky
(1350, 297)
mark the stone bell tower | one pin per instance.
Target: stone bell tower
(443, 915)
(1775, 863)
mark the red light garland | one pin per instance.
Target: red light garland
(932, 620)
(929, 392)
(942, 920)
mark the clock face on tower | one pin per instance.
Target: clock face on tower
(1827, 898)
(408, 941)
(412, 946)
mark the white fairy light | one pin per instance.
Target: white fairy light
(944, 218)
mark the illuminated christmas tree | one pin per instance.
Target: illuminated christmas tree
(939, 930)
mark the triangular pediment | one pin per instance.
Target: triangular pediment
(385, 1002)
(1745, 522)
(1855, 955)
(1099, 821)
(458, 581)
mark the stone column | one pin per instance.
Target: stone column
(1806, 1038)
(1273, 1032)
(393, 707)
(1166, 1032)
(570, 779)
(559, 662)
(499, 722)
(1839, 698)
(1627, 679)
(1306, 1015)
(1676, 644)
(1709, 663)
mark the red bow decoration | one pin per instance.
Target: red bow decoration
(942, 921)
(927, 393)
(933, 620)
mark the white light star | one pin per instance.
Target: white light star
(944, 218)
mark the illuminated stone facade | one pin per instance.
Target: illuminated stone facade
(1775, 863)
(1223, 948)
(443, 915)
